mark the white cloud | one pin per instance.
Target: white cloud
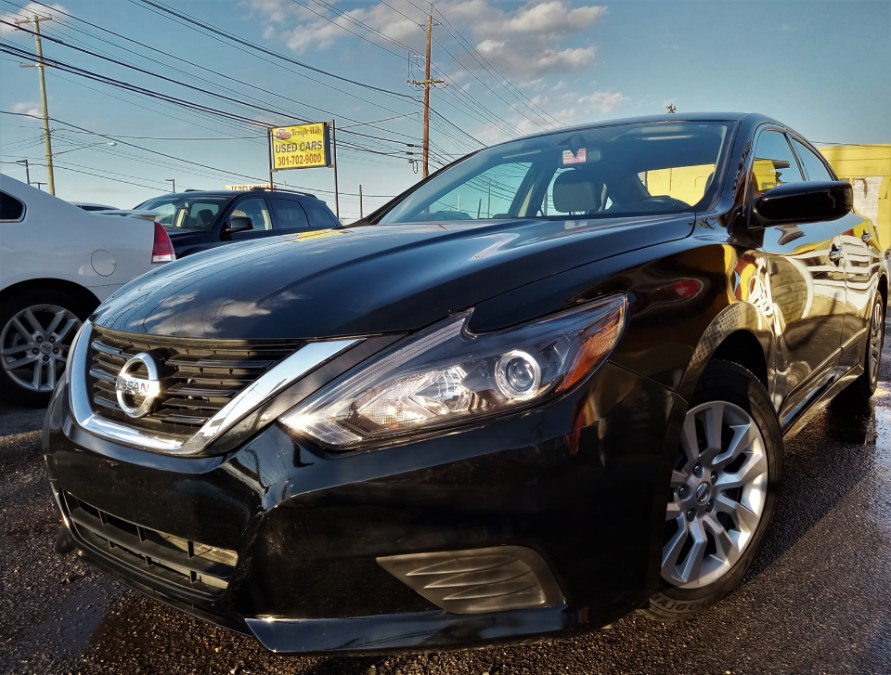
(538, 46)
(531, 58)
(525, 42)
(27, 12)
(603, 101)
(548, 17)
(312, 27)
(27, 108)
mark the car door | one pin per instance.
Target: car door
(802, 288)
(860, 257)
(289, 215)
(255, 209)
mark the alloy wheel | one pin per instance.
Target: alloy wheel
(34, 345)
(717, 494)
(876, 338)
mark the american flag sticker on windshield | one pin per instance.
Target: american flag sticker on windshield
(579, 157)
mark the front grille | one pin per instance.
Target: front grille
(200, 376)
(202, 569)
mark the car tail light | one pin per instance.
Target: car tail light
(162, 250)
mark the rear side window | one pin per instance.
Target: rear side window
(813, 167)
(320, 215)
(11, 209)
(289, 215)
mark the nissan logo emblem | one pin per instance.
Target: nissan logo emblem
(136, 395)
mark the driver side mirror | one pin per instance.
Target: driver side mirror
(803, 203)
(238, 224)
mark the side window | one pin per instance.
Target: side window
(11, 209)
(255, 209)
(774, 164)
(813, 167)
(320, 215)
(200, 216)
(289, 215)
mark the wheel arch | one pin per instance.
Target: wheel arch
(739, 334)
(84, 295)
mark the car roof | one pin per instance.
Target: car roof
(750, 117)
(237, 193)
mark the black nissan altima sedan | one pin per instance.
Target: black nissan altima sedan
(547, 386)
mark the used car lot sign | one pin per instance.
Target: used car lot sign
(302, 146)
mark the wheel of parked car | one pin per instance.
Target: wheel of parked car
(865, 385)
(36, 330)
(723, 491)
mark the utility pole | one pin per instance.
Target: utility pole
(172, 181)
(47, 141)
(427, 83)
(361, 215)
(27, 170)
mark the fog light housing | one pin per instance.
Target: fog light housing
(476, 581)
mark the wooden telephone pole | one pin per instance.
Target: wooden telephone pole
(427, 83)
(47, 142)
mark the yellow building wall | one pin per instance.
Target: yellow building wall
(868, 169)
(686, 183)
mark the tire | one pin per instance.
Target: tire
(862, 389)
(722, 493)
(36, 330)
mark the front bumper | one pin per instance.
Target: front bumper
(289, 543)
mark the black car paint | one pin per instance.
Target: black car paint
(580, 479)
(442, 268)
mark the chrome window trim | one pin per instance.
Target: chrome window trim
(269, 384)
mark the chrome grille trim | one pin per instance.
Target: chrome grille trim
(272, 382)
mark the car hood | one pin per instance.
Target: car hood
(366, 279)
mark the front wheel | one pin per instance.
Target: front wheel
(36, 330)
(722, 492)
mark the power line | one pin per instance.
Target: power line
(227, 77)
(353, 20)
(229, 36)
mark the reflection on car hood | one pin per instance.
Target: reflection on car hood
(368, 279)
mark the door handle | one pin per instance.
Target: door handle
(835, 253)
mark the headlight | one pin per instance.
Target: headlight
(447, 375)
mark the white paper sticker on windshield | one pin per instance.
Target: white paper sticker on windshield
(579, 157)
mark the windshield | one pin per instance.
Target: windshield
(643, 168)
(184, 211)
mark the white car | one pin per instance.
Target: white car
(57, 263)
(90, 206)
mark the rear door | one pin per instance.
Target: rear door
(801, 284)
(860, 259)
(289, 215)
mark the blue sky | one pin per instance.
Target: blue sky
(510, 68)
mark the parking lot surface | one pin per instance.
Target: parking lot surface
(816, 601)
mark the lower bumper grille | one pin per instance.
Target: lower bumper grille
(201, 569)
